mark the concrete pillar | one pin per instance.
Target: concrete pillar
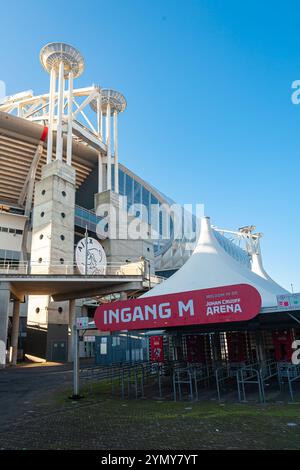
(15, 332)
(52, 244)
(4, 314)
(72, 322)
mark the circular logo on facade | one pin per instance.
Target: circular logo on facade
(90, 256)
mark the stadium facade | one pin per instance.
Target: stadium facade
(59, 157)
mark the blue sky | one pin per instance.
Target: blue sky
(208, 85)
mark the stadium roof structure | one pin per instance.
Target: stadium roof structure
(211, 266)
(19, 140)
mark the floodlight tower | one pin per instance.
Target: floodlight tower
(108, 105)
(63, 62)
(52, 242)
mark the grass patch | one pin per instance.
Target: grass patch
(100, 392)
(113, 423)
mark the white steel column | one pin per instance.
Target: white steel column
(100, 135)
(4, 313)
(116, 156)
(51, 115)
(101, 124)
(60, 110)
(15, 332)
(99, 117)
(100, 174)
(70, 119)
(108, 143)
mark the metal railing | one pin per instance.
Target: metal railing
(112, 268)
(191, 376)
(257, 374)
(181, 381)
(129, 378)
(249, 375)
(225, 374)
(288, 374)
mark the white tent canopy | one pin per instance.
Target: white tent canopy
(210, 266)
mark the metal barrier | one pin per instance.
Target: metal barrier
(201, 373)
(248, 375)
(288, 373)
(225, 374)
(157, 370)
(268, 370)
(190, 375)
(256, 374)
(182, 376)
(130, 378)
(181, 380)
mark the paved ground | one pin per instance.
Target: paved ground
(37, 414)
(23, 388)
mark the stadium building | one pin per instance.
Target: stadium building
(62, 185)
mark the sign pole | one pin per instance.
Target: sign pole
(75, 395)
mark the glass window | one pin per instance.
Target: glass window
(129, 190)
(137, 198)
(154, 216)
(121, 182)
(146, 204)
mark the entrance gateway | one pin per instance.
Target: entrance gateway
(215, 321)
(210, 288)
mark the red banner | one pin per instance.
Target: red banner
(157, 349)
(282, 340)
(235, 303)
